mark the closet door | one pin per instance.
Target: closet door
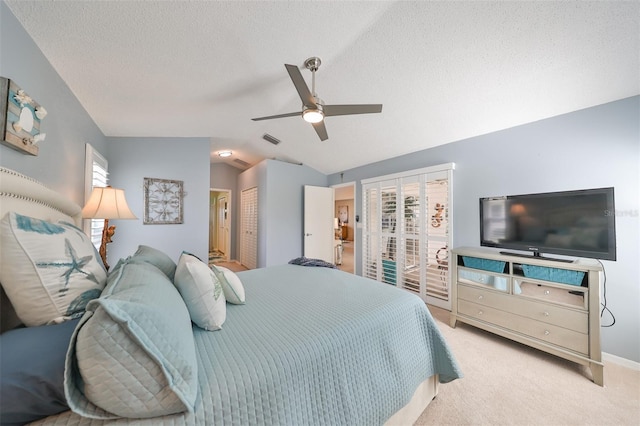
(249, 228)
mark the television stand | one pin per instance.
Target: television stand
(535, 255)
(550, 306)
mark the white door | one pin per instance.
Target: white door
(212, 223)
(318, 223)
(222, 225)
(249, 228)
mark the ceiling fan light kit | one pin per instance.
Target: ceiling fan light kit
(313, 115)
(313, 109)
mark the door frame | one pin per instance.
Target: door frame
(355, 223)
(227, 249)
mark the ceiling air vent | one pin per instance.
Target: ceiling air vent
(242, 163)
(267, 137)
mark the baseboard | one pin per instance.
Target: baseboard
(627, 363)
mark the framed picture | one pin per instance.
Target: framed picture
(343, 214)
(163, 201)
(20, 117)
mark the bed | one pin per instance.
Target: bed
(304, 345)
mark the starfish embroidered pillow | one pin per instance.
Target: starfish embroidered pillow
(50, 271)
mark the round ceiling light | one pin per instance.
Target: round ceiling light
(313, 115)
(224, 154)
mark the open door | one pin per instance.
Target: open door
(219, 224)
(318, 223)
(223, 225)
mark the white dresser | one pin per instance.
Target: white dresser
(549, 305)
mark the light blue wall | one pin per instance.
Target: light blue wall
(185, 159)
(280, 207)
(591, 148)
(223, 176)
(285, 209)
(60, 163)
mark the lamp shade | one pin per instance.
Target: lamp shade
(107, 203)
(336, 224)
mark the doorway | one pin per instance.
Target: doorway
(345, 213)
(220, 219)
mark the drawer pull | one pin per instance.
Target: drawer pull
(546, 314)
(480, 297)
(480, 312)
(547, 292)
(547, 332)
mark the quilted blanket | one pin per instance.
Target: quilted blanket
(310, 346)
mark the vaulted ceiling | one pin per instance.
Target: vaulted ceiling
(444, 71)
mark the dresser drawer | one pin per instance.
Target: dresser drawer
(483, 279)
(572, 296)
(571, 319)
(569, 339)
(481, 296)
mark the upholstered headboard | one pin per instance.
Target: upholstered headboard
(27, 196)
(22, 194)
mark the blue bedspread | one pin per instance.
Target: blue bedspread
(312, 346)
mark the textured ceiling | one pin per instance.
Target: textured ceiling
(444, 71)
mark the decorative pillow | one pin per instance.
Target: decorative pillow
(48, 270)
(157, 258)
(32, 372)
(231, 285)
(133, 353)
(201, 291)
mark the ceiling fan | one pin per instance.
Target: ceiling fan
(313, 108)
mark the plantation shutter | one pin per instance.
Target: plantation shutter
(406, 231)
(96, 175)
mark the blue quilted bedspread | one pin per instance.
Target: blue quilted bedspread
(312, 346)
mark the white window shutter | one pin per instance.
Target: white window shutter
(406, 235)
(96, 175)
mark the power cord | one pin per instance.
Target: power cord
(604, 298)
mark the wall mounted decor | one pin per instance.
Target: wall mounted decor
(163, 201)
(20, 118)
(343, 214)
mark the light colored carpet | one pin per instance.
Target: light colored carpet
(507, 383)
(233, 265)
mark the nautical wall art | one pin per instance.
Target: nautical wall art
(20, 117)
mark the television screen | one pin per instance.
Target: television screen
(573, 223)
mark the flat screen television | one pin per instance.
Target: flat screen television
(572, 223)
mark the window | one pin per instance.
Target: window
(407, 235)
(96, 174)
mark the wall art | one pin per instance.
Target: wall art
(20, 118)
(163, 201)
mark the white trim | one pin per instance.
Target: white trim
(91, 156)
(621, 361)
(430, 169)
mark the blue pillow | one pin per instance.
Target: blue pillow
(32, 372)
(157, 258)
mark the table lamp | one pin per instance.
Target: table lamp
(107, 203)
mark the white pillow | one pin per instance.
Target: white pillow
(231, 285)
(49, 271)
(201, 291)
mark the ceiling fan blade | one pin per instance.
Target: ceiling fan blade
(332, 110)
(321, 130)
(302, 88)
(289, 114)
